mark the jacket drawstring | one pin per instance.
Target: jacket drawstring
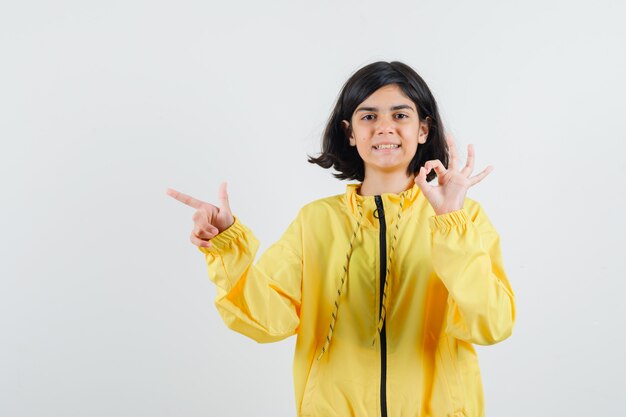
(333, 317)
(381, 318)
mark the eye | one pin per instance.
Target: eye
(368, 117)
(402, 116)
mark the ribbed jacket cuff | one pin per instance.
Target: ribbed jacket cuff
(449, 220)
(223, 240)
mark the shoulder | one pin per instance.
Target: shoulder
(324, 206)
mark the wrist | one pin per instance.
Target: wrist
(445, 210)
(228, 225)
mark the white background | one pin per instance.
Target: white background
(105, 306)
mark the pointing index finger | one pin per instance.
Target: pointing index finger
(184, 198)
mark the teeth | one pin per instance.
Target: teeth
(387, 146)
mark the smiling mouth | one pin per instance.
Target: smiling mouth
(387, 146)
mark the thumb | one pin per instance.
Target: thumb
(223, 198)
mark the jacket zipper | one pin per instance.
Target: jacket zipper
(383, 333)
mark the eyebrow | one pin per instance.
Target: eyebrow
(398, 107)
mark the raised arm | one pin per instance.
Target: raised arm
(466, 254)
(467, 258)
(261, 301)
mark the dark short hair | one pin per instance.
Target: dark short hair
(345, 159)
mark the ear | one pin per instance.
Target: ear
(348, 130)
(423, 130)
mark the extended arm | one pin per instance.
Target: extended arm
(261, 301)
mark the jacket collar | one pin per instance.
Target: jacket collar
(391, 202)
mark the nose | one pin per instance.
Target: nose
(385, 125)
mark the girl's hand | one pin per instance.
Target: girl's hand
(453, 184)
(208, 219)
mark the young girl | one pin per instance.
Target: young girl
(387, 286)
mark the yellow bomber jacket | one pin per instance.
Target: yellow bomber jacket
(446, 290)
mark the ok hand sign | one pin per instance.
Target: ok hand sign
(453, 183)
(208, 219)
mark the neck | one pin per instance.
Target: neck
(386, 183)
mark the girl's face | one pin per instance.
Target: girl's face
(386, 131)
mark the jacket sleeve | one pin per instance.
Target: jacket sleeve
(262, 300)
(467, 258)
